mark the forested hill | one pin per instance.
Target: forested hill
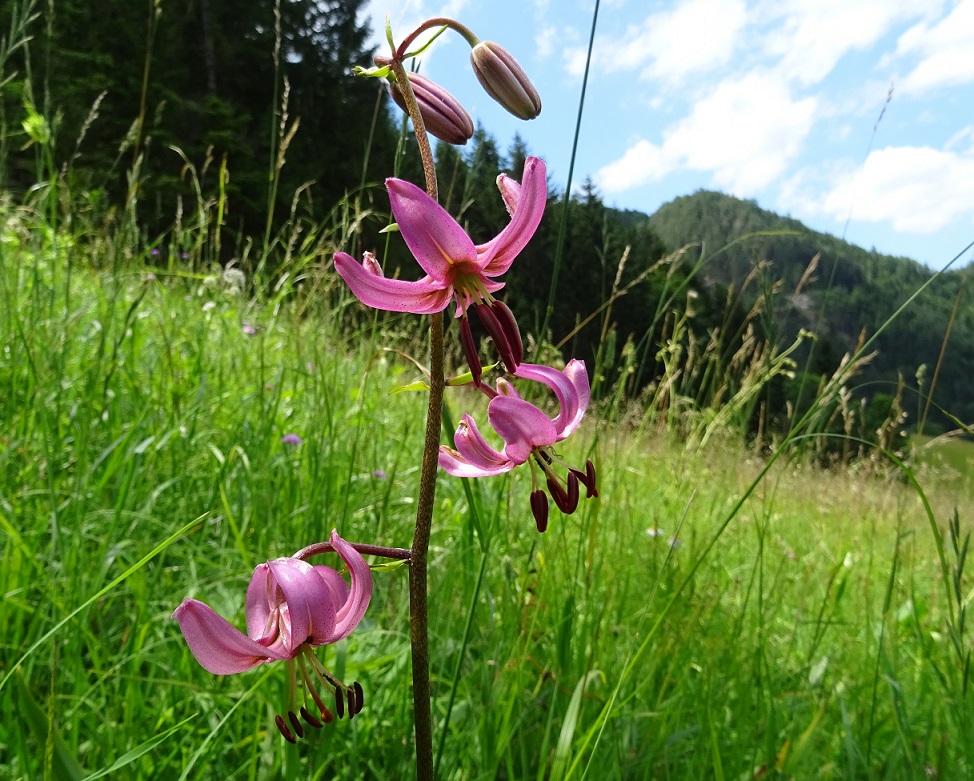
(866, 289)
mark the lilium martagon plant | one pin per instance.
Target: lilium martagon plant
(529, 436)
(456, 268)
(292, 607)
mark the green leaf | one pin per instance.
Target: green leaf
(138, 751)
(63, 764)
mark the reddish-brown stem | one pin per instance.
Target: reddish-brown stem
(429, 24)
(399, 554)
(418, 607)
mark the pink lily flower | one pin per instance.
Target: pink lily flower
(529, 435)
(456, 268)
(292, 607)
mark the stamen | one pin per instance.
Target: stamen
(339, 703)
(293, 718)
(470, 350)
(513, 334)
(559, 494)
(306, 715)
(499, 336)
(352, 710)
(572, 492)
(590, 489)
(359, 696)
(282, 728)
(539, 506)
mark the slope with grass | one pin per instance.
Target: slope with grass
(850, 291)
(703, 618)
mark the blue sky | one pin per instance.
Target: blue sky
(774, 100)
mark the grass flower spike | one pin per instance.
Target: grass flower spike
(292, 607)
(456, 268)
(528, 435)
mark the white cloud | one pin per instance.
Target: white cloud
(809, 37)
(745, 133)
(406, 16)
(643, 162)
(694, 36)
(917, 189)
(945, 49)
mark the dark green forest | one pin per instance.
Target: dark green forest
(152, 106)
(849, 293)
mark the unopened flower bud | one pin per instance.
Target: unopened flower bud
(442, 113)
(505, 80)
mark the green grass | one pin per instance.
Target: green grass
(141, 463)
(949, 460)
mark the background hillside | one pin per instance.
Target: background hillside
(858, 290)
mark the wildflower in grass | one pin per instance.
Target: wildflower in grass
(443, 115)
(292, 439)
(456, 268)
(529, 435)
(505, 80)
(292, 607)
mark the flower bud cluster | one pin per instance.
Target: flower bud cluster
(444, 117)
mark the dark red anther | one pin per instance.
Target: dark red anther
(497, 332)
(559, 494)
(359, 696)
(539, 506)
(590, 488)
(308, 717)
(282, 728)
(352, 709)
(340, 703)
(470, 350)
(572, 493)
(506, 318)
(587, 478)
(295, 723)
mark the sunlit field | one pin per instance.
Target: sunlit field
(702, 618)
(771, 582)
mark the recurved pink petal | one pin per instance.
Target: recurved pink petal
(219, 647)
(473, 457)
(356, 599)
(510, 192)
(263, 596)
(571, 388)
(422, 297)
(522, 426)
(495, 257)
(434, 238)
(310, 609)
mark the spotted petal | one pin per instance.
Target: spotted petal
(473, 457)
(571, 388)
(522, 426)
(219, 647)
(528, 202)
(434, 238)
(422, 297)
(355, 599)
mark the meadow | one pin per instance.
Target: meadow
(713, 614)
(727, 608)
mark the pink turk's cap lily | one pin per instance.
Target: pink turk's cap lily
(455, 267)
(528, 434)
(443, 115)
(505, 80)
(292, 606)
